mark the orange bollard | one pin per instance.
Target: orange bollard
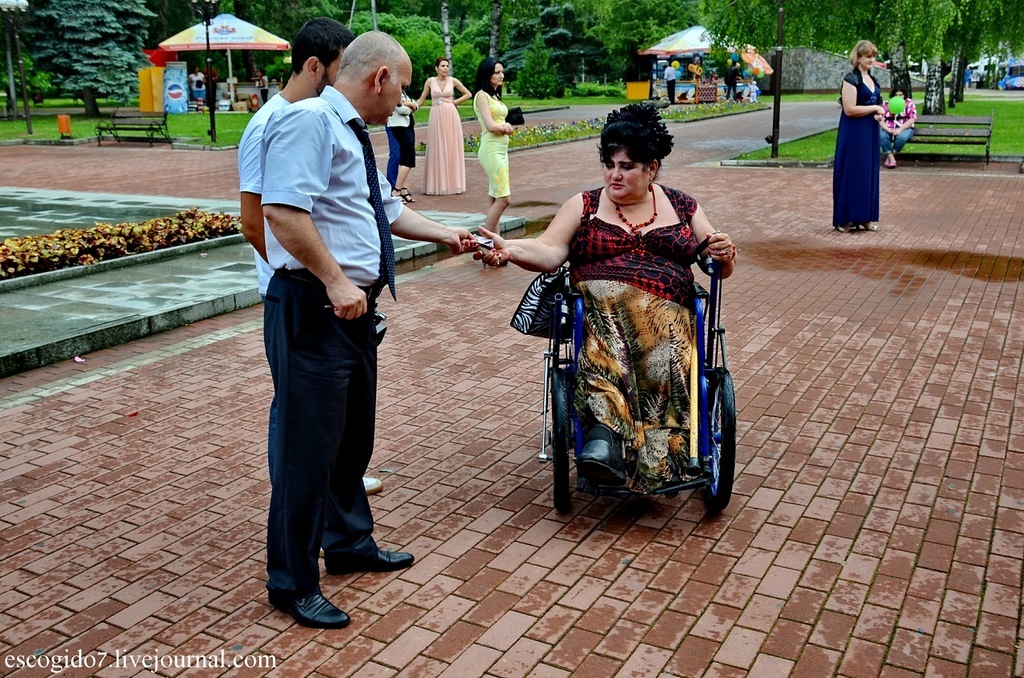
(64, 126)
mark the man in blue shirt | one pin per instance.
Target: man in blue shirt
(326, 244)
(316, 55)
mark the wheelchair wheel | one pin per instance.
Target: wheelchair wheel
(561, 432)
(722, 415)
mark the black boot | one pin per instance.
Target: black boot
(601, 459)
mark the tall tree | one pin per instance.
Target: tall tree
(91, 46)
(624, 26)
(495, 28)
(446, 33)
(563, 34)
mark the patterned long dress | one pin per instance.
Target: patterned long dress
(634, 365)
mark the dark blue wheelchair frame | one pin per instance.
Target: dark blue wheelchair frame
(716, 406)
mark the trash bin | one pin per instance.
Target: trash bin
(64, 126)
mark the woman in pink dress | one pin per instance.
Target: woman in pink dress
(445, 164)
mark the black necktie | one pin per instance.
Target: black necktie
(387, 246)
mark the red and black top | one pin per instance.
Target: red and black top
(658, 261)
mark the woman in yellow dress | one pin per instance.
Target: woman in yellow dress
(494, 132)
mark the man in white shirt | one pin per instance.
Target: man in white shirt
(670, 82)
(330, 217)
(316, 54)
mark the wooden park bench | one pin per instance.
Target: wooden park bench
(134, 125)
(954, 130)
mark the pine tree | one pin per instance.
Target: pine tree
(91, 46)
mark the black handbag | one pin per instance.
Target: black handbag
(515, 116)
(534, 313)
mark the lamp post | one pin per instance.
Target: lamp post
(777, 66)
(207, 9)
(12, 9)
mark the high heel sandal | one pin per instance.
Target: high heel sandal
(406, 196)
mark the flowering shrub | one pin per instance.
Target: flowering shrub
(699, 111)
(539, 134)
(84, 246)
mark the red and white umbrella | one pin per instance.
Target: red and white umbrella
(227, 32)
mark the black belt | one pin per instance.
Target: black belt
(305, 275)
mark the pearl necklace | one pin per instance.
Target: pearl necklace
(636, 228)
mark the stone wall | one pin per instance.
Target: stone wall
(810, 70)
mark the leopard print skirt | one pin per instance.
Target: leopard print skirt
(634, 377)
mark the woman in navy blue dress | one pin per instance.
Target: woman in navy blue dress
(855, 172)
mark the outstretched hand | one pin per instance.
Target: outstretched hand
(461, 241)
(498, 255)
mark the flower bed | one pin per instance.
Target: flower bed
(702, 111)
(543, 134)
(84, 246)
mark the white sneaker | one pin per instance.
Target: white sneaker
(372, 485)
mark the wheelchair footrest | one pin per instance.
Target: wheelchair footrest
(671, 489)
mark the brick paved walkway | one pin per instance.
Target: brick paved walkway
(877, 526)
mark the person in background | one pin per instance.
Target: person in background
(494, 133)
(197, 84)
(263, 84)
(445, 172)
(896, 130)
(855, 182)
(401, 147)
(316, 53)
(630, 246)
(732, 74)
(670, 82)
(753, 92)
(330, 245)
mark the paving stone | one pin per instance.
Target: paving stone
(877, 521)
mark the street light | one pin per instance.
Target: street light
(777, 66)
(206, 10)
(12, 9)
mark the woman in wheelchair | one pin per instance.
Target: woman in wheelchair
(629, 246)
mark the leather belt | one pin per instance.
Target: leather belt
(304, 275)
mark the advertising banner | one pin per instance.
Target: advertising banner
(176, 87)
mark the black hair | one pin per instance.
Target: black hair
(638, 130)
(897, 88)
(483, 77)
(322, 38)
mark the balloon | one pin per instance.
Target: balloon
(746, 72)
(757, 72)
(675, 64)
(692, 68)
(735, 56)
(896, 105)
(728, 62)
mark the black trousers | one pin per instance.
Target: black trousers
(325, 381)
(671, 91)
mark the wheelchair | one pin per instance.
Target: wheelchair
(712, 462)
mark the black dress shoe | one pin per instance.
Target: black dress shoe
(313, 611)
(382, 561)
(601, 458)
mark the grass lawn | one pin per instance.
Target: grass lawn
(193, 128)
(1007, 134)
